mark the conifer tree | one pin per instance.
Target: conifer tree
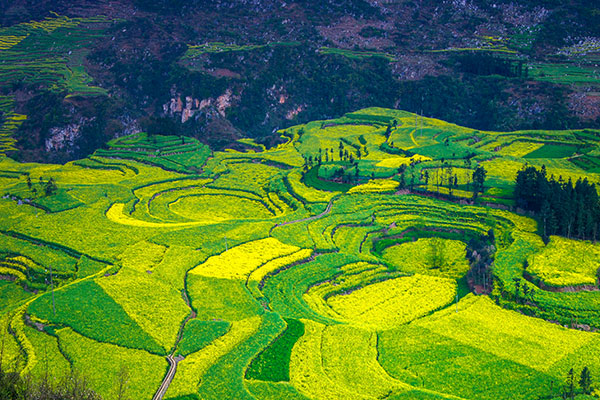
(585, 381)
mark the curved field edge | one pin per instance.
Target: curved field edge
(131, 244)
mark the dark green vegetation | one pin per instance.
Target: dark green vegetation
(553, 151)
(85, 305)
(273, 364)
(198, 334)
(565, 208)
(76, 74)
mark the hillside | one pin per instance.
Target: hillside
(76, 74)
(361, 258)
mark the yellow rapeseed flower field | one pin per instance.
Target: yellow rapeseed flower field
(240, 261)
(195, 365)
(393, 302)
(376, 186)
(565, 262)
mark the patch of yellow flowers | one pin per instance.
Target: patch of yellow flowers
(375, 186)
(565, 262)
(393, 302)
(240, 261)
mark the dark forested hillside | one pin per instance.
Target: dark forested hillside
(74, 74)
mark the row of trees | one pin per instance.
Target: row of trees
(446, 177)
(328, 155)
(564, 208)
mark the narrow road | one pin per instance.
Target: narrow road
(173, 361)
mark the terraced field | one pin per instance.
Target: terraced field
(47, 54)
(335, 266)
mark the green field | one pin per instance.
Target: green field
(567, 73)
(334, 266)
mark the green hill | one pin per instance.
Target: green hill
(360, 259)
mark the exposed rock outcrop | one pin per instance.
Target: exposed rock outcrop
(177, 108)
(63, 137)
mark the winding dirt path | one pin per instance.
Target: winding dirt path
(174, 360)
(321, 215)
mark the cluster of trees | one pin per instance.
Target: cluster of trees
(445, 176)
(563, 207)
(480, 254)
(522, 291)
(328, 155)
(585, 383)
(48, 187)
(14, 387)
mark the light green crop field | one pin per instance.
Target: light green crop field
(296, 272)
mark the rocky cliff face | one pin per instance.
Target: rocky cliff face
(63, 137)
(184, 111)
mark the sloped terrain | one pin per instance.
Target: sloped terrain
(340, 264)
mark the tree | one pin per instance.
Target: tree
(479, 178)
(123, 380)
(570, 385)
(517, 287)
(585, 381)
(29, 182)
(436, 257)
(50, 187)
